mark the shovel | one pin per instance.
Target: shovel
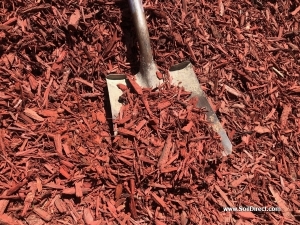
(181, 75)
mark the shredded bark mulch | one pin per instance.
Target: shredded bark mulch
(60, 160)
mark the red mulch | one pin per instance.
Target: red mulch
(60, 163)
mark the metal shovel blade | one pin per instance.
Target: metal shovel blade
(114, 92)
(183, 75)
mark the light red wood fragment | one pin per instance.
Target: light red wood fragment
(135, 85)
(66, 149)
(74, 20)
(146, 103)
(84, 82)
(127, 162)
(82, 150)
(238, 181)
(160, 201)
(43, 214)
(50, 168)
(48, 113)
(124, 131)
(58, 144)
(101, 117)
(158, 222)
(132, 203)
(87, 216)
(46, 93)
(145, 159)
(16, 187)
(68, 164)
(78, 190)
(118, 191)
(261, 129)
(284, 115)
(163, 159)
(246, 215)
(163, 105)
(296, 10)
(122, 87)
(125, 119)
(33, 82)
(60, 205)
(159, 75)
(233, 91)
(72, 191)
(8, 220)
(168, 169)
(61, 56)
(188, 127)
(184, 218)
(3, 204)
(32, 114)
(27, 203)
(63, 171)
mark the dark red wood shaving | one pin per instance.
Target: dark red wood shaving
(60, 163)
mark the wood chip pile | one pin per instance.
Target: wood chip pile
(60, 162)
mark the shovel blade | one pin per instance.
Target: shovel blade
(183, 75)
(114, 92)
(146, 78)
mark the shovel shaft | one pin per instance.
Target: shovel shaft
(140, 24)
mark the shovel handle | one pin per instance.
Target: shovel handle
(146, 57)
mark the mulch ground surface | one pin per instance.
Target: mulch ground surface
(60, 162)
